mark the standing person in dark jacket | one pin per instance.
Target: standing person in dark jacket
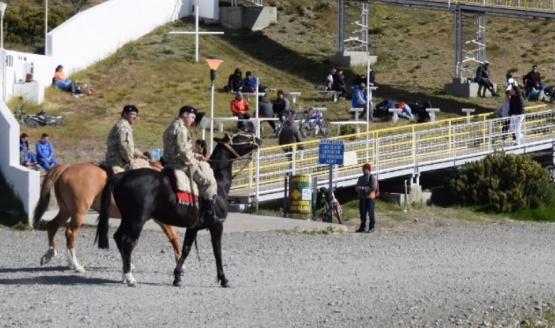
(265, 110)
(366, 188)
(516, 112)
(290, 134)
(235, 81)
(281, 107)
(45, 152)
(482, 77)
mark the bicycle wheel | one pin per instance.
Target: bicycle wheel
(324, 127)
(30, 122)
(305, 129)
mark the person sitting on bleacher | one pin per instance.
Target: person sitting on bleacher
(359, 100)
(339, 83)
(382, 109)
(329, 80)
(249, 84)
(404, 111)
(234, 81)
(265, 110)
(240, 108)
(281, 107)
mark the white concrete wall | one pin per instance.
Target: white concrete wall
(18, 64)
(98, 32)
(88, 37)
(25, 182)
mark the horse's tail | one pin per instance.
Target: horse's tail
(104, 215)
(49, 180)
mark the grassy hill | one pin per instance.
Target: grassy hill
(415, 49)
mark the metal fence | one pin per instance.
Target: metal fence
(394, 151)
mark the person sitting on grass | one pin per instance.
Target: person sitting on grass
(62, 82)
(28, 158)
(45, 152)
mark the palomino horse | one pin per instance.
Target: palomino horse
(143, 194)
(78, 188)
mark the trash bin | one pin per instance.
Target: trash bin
(300, 194)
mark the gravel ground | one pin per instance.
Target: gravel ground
(457, 274)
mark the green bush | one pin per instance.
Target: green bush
(502, 183)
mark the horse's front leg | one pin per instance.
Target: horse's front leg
(216, 232)
(190, 236)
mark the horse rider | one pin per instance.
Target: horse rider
(178, 154)
(121, 152)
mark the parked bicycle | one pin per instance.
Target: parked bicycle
(336, 209)
(40, 119)
(313, 123)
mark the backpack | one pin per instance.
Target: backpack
(377, 188)
(376, 193)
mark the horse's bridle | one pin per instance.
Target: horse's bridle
(252, 142)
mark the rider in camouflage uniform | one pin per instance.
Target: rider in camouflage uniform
(121, 150)
(178, 153)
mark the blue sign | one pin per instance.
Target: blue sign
(331, 152)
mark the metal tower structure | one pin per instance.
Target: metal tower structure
(352, 30)
(470, 41)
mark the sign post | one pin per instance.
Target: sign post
(331, 152)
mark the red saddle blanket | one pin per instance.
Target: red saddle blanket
(186, 198)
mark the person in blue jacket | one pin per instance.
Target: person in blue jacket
(358, 100)
(45, 152)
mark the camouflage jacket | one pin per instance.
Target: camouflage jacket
(178, 147)
(120, 145)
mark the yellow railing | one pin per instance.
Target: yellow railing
(390, 147)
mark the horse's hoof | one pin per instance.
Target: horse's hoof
(177, 283)
(129, 280)
(225, 284)
(48, 256)
(44, 260)
(80, 269)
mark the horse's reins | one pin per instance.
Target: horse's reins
(238, 157)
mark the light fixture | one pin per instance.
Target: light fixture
(213, 63)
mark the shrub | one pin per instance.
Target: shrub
(502, 183)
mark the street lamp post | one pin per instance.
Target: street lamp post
(213, 63)
(46, 28)
(3, 6)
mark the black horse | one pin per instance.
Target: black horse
(143, 194)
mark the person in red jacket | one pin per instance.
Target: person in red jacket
(240, 108)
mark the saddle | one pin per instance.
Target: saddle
(186, 190)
